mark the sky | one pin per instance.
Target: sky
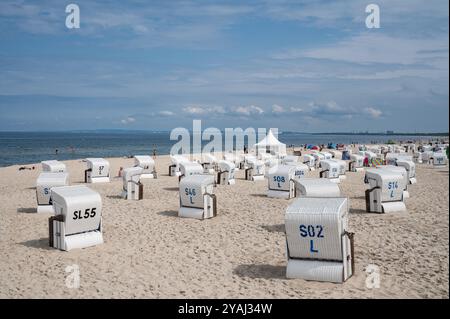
(306, 66)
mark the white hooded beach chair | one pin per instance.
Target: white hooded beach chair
(318, 157)
(232, 157)
(147, 164)
(245, 160)
(316, 187)
(427, 157)
(300, 169)
(309, 160)
(401, 170)
(289, 159)
(190, 168)
(174, 168)
(392, 158)
(439, 160)
(78, 219)
(45, 182)
(53, 167)
(132, 189)
(327, 155)
(226, 173)
(342, 168)
(197, 198)
(336, 154)
(280, 181)
(255, 170)
(319, 247)
(410, 167)
(97, 171)
(330, 169)
(417, 157)
(386, 191)
(209, 163)
(356, 163)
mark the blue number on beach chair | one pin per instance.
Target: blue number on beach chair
(279, 179)
(312, 232)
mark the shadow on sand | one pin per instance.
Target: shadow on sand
(30, 210)
(358, 211)
(259, 195)
(169, 213)
(279, 228)
(114, 196)
(41, 243)
(260, 271)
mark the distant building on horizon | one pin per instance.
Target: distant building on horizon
(390, 132)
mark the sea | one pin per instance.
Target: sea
(20, 148)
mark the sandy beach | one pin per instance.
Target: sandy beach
(149, 252)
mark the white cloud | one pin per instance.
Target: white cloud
(203, 110)
(166, 113)
(128, 120)
(369, 48)
(294, 109)
(372, 112)
(248, 110)
(277, 108)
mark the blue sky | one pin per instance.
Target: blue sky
(309, 66)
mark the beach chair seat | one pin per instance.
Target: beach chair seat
(319, 246)
(289, 159)
(190, 168)
(97, 171)
(255, 170)
(316, 187)
(410, 167)
(356, 163)
(309, 160)
(197, 198)
(330, 169)
(386, 191)
(280, 181)
(336, 154)
(53, 167)
(439, 160)
(342, 168)
(174, 168)
(226, 173)
(401, 170)
(44, 184)
(209, 163)
(132, 189)
(147, 164)
(78, 218)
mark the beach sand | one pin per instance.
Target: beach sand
(151, 253)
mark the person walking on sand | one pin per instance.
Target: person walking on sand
(154, 151)
(119, 174)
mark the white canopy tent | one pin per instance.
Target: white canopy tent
(270, 144)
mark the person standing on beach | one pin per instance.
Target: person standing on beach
(154, 151)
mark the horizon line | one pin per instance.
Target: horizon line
(222, 130)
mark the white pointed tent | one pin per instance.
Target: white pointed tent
(270, 144)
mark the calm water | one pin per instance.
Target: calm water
(27, 147)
